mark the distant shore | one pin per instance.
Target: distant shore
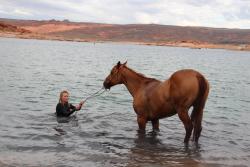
(142, 34)
(171, 44)
(187, 44)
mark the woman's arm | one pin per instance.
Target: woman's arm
(79, 106)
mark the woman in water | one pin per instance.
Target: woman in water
(64, 108)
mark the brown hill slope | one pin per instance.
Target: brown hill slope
(159, 33)
(11, 28)
(139, 33)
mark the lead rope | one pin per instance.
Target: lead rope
(102, 90)
(98, 93)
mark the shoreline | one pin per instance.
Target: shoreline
(186, 44)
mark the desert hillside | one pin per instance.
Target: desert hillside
(11, 28)
(151, 34)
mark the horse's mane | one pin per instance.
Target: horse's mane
(141, 75)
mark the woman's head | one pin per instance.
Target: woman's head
(64, 97)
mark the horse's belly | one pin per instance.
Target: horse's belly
(167, 114)
(164, 110)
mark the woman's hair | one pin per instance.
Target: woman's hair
(61, 95)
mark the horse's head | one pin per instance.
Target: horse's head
(115, 76)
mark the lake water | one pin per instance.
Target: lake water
(104, 132)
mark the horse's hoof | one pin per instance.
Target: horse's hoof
(141, 131)
(156, 130)
(186, 141)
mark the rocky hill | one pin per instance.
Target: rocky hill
(11, 28)
(151, 34)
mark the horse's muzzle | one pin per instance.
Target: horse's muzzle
(107, 84)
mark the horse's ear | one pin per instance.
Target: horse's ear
(118, 64)
(125, 63)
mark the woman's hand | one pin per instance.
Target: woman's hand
(81, 103)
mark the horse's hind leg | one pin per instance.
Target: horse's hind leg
(184, 117)
(155, 124)
(196, 118)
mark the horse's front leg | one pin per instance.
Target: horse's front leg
(142, 121)
(155, 124)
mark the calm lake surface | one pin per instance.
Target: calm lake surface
(104, 132)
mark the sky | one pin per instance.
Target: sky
(207, 13)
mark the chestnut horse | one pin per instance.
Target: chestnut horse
(153, 99)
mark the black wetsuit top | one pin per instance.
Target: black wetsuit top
(65, 110)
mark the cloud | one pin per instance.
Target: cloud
(21, 12)
(213, 13)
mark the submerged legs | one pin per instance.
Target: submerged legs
(141, 123)
(155, 124)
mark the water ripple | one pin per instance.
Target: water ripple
(104, 132)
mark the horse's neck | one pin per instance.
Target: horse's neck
(133, 81)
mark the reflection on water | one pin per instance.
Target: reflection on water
(104, 132)
(150, 151)
(72, 120)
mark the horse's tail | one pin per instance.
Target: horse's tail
(198, 106)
